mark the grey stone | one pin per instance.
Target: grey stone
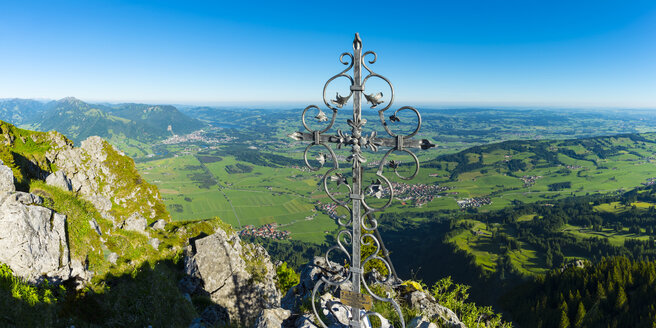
(427, 306)
(112, 258)
(310, 274)
(59, 179)
(33, 239)
(271, 318)
(188, 284)
(136, 222)
(220, 262)
(197, 323)
(305, 321)
(6, 179)
(26, 198)
(154, 242)
(421, 322)
(159, 224)
(81, 274)
(215, 315)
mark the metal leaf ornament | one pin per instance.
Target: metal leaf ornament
(340, 101)
(374, 99)
(394, 118)
(321, 117)
(339, 178)
(321, 158)
(393, 164)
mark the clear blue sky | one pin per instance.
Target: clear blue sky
(526, 53)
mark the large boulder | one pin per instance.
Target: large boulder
(135, 222)
(59, 179)
(33, 238)
(6, 179)
(271, 318)
(238, 277)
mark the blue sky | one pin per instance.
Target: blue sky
(447, 53)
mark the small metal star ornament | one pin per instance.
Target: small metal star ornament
(374, 99)
(375, 189)
(321, 117)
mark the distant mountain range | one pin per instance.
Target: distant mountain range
(78, 120)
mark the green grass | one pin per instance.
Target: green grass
(616, 238)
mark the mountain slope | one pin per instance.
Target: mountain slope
(145, 123)
(79, 120)
(21, 111)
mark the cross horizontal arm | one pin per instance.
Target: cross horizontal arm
(381, 142)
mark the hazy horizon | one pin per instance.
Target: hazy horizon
(515, 53)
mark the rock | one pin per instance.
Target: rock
(188, 284)
(422, 302)
(272, 318)
(197, 323)
(421, 322)
(94, 225)
(215, 315)
(159, 224)
(240, 278)
(112, 258)
(6, 179)
(81, 274)
(33, 239)
(336, 313)
(305, 321)
(136, 222)
(310, 274)
(59, 179)
(26, 198)
(154, 242)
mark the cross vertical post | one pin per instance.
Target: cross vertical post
(351, 232)
(357, 176)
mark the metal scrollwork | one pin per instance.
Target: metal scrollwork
(361, 228)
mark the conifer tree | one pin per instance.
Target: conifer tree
(564, 320)
(580, 315)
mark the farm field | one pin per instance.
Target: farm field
(254, 192)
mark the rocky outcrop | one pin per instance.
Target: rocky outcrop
(238, 277)
(32, 238)
(105, 177)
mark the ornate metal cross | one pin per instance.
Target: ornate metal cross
(361, 213)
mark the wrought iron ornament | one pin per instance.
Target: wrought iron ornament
(361, 213)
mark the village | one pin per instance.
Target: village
(529, 180)
(196, 136)
(265, 231)
(416, 194)
(474, 202)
